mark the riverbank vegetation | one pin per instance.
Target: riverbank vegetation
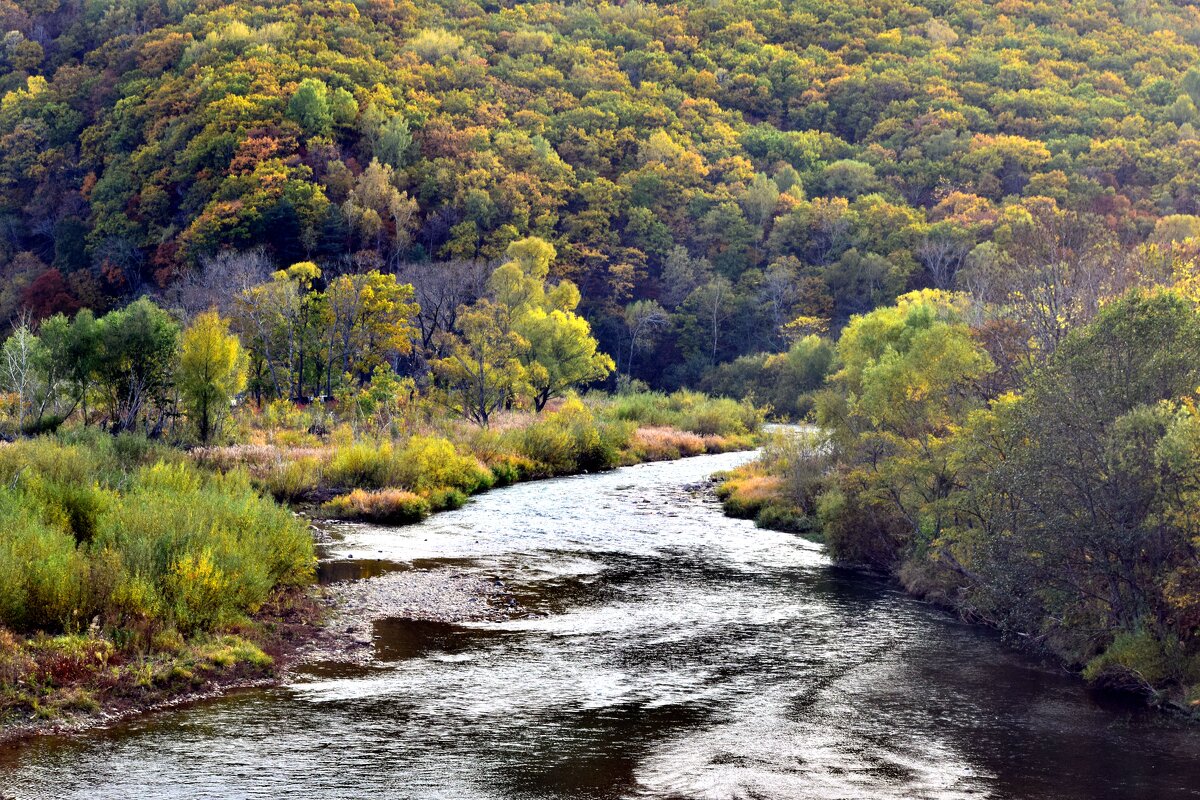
(143, 553)
(128, 575)
(1045, 488)
(405, 469)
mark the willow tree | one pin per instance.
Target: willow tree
(561, 349)
(482, 369)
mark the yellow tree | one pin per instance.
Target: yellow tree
(212, 370)
(369, 317)
(561, 349)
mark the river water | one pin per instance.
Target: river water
(676, 654)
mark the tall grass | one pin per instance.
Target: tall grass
(687, 411)
(371, 476)
(88, 533)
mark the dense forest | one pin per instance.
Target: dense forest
(718, 178)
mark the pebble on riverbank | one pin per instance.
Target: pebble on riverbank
(440, 595)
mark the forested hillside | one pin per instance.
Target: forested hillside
(719, 178)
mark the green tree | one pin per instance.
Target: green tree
(907, 381)
(309, 108)
(369, 320)
(212, 371)
(561, 350)
(136, 362)
(483, 368)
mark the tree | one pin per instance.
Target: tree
(70, 357)
(779, 291)
(310, 108)
(136, 362)
(681, 276)
(1082, 519)
(712, 305)
(20, 356)
(380, 213)
(212, 371)
(393, 141)
(1052, 270)
(280, 321)
(943, 251)
(906, 382)
(643, 320)
(369, 320)
(561, 351)
(441, 290)
(482, 370)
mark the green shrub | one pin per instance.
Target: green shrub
(509, 468)
(785, 381)
(1137, 660)
(44, 576)
(201, 549)
(571, 440)
(427, 463)
(362, 465)
(446, 499)
(227, 651)
(689, 411)
(786, 518)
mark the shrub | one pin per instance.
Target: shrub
(386, 506)
(446, 499)
(665, 444)
(570, 440)
(292, 479)
(745, 493)
(44, 576)
(427, 463)
(509, 468)
(227, 651)
(787, 518)
(362, 465)
(1137, 660)
(689, 411)
(785, 381)
(198, 549)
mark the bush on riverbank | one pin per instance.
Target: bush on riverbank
(786, 382)
(368, 474)
(779, 489)
(114, 552)
(688, 411)
(384, 506)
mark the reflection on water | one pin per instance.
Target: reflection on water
(678, 654)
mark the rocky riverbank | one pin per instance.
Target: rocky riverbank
(436, 595)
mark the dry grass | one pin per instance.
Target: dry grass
(658, 443)
(388, 506)
(748, 490)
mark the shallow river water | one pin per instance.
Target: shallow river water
(676, 654)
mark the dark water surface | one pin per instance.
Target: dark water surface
(681, 655)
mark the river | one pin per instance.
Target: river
(675, 653)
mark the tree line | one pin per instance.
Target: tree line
(1033, 463)
(297, 335)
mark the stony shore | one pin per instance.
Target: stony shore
(438, 595)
